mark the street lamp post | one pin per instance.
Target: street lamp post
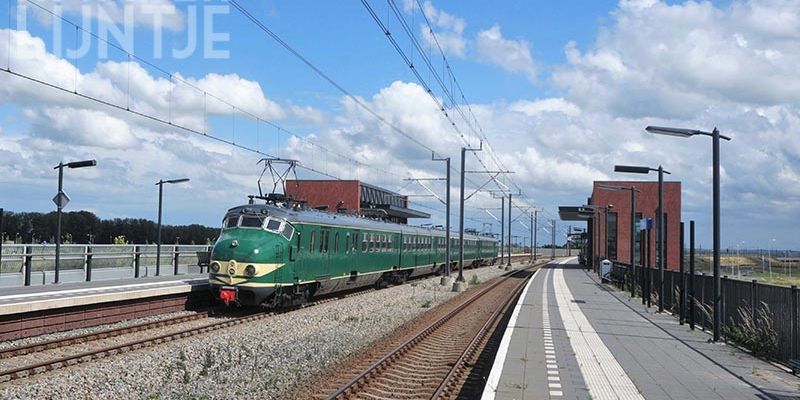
(160, 185)
(715, 137)
(61, 201)
(659, 224)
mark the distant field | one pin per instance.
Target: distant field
(751, 267)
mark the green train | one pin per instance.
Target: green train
(274, 255)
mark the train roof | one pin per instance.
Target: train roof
(310, 216)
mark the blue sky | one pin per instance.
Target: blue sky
(561, 89)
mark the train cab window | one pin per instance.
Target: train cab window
(273, 224)
(230, 221)
(287, 231)
(311, 242)
(336, 243)
(252, 221)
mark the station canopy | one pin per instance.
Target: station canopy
(575, 213)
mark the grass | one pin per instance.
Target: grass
(751, 268)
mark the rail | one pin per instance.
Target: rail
(348, 389)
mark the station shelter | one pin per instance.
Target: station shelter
(609, 222)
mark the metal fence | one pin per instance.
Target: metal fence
(739, 297)
(94, 262)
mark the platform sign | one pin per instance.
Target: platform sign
(61, 200)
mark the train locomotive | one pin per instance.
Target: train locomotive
(274, 255)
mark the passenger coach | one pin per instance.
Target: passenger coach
(271, 255)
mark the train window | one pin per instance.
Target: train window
(347, 243)
(298, 242)
(369, 242)
(390, 243)
(327, 239)
(385, 242)
(311, 242)
(336, 243)
(364, 242)
(355, 242)
(252, 221)
(288, 231)
(230, 221)
(273, 224)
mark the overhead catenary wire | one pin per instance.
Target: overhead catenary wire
(256, 21)
(173, 78)
(448, 92)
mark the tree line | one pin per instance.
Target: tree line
(83, 227)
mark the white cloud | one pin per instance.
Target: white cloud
(127, 84)
(310, 114)
(675, 60)
(451, 29)
(545, 105)
(510, 55)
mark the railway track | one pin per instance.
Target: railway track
(36, 358)
(441, 358)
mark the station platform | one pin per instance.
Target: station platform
(35, 310)
(37, 298)
(572, 337)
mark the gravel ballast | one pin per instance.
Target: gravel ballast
(262, 359)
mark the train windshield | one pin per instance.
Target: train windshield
(230, 221)
(251, 221)
(273, 225)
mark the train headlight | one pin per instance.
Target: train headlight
(215, 267)
(250, 270)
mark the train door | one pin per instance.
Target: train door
(355, 249)
(295, 255)
(397, 248)
(324, 250)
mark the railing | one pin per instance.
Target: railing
(740, 300)
(95, 262)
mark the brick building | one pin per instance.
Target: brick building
(353, 197)
(617, 227)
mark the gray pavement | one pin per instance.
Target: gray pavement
(592, 341)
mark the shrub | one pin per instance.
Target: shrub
(755, 331)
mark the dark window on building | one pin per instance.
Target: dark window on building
(637, 237)
(612, 236)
